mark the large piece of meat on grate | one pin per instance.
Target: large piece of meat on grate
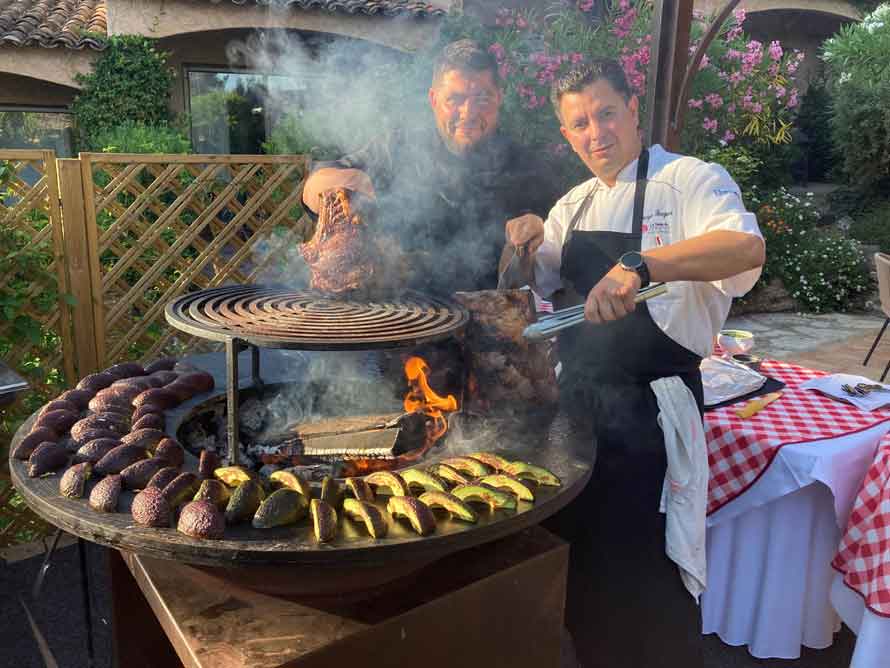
(339, 253)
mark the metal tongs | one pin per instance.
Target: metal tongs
(549, 325)
(863, 389)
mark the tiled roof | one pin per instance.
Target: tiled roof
(370, 7)
(73, 24)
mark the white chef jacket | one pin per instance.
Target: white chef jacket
(685, 198)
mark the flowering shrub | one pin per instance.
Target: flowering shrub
(823, 272)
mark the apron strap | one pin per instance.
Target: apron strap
(640, 193)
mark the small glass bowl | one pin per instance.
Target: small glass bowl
(750, 361)
(735, 341)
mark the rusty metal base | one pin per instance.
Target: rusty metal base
(499, 604)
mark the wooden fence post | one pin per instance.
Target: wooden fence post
(79, 272)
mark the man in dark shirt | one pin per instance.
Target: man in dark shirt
(443, 194)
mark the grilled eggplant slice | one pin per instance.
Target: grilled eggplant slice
(283, 506)
(392, 482)
(511, 484)
(418, 478)
(451, 503)
(324, 520)
(538, 474)
(360, 489)
(415, 511)
(494, 498)
(369, 514)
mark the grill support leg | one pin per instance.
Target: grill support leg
(255, 368)
(233, 347)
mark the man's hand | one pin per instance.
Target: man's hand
(613, 297)
(330, 178)
(526, 230)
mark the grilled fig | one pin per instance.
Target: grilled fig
(119, 458)
(388, 480)
(467, 465)
(151, 509)
(28, 444)
(331, 492)
(494, 498)
(509, 483)
(80, 398)
(526, 471)
(490, 459)
(418, 478)
(451, 503)
(445, 472)
(293, 481)
(150, 421)
(163, 377)
(283, 506)
(74, 480)
(170, 450)
(201, 519)
(59, 405)
(163, 364)
(95, 450)
(360, 489)
(181, 489)
(207, 464)
(119, 424)
(415, 511)
(245, 501)
(163, 477)
(215, 492)
(125, 370)
(146, 409)
(96, 381)
(324, 520)
(361, 511)
(137, 475)
(47, 457)
(105, 494)
(157, 397)
(58, 421)
(234, 475)
(146, 439)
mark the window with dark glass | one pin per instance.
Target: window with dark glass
(37, 129)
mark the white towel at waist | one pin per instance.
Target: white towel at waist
(684, 496)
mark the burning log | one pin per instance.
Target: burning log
(506, 373)
(337, 254)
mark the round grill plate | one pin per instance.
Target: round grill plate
(278, 318)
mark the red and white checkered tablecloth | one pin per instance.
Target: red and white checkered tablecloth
(863, 557)
(740, 450)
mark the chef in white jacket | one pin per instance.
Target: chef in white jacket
(646, 216)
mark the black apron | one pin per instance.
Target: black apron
(626, 605)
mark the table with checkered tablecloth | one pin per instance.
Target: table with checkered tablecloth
(772, 531)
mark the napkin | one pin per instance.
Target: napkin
(831, 386)
(724, 380)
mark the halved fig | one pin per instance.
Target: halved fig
(290, 480)
(418, 478)
(215, 492)
(451, 503)
(508, 482)
(450, 474)
(331, 492)
(361, 511)
(494, 498)
(360, 489)
(283, 506)
(389, 481)
(324, 520)
(490, 459)
(467, 465)
(244, 502)
(74, 480)
(538, 474)
(415, 511)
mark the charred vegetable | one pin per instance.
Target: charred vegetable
(369, 514)
(494, 498)
(451, 503)
(391, 482)
(283, 506)
(504, 481)
(324, 520)
(538, 474)
(415, 511)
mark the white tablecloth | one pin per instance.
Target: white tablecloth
(872, 631)
(770, 549)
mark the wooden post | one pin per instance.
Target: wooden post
(77, 258)
(92, 240)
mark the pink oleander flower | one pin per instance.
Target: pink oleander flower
(497, 50)
(793, 99)
(710, 124)
(705, 61)
(695, 104)
(730, 108)
(734, 54)
(728, 136)
(775, 51)
(714, 100)
(577, 58)
(739, 15)
(521, 23)
(780, 92)
(757, 107)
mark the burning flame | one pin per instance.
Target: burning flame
(421, 397)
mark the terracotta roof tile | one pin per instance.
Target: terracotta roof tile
(369, 7)
(74, 24)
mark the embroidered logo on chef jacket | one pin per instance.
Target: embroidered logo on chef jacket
(657, 227)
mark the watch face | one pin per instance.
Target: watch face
(632, 260)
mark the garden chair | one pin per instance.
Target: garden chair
(882, 262)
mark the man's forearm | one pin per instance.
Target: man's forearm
(711, 257)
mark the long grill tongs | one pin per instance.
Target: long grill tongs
(549, 325)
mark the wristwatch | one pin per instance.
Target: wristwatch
(634, 261)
